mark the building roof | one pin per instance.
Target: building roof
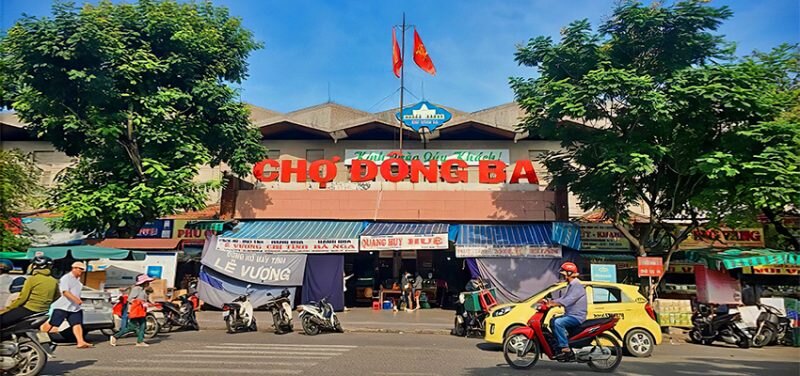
(140, 243)
(333, 120)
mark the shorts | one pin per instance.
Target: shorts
(73, 318)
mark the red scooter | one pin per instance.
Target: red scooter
(590, 343)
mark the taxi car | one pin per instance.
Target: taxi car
(637, 324)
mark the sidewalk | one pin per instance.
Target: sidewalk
(425, 321)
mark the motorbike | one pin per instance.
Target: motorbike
(238, 315)
(708, 327)
(180, 315)
(468, 322)
(318, 316)
(590, 342)
(24, 350)
(281, 312)
(153, 319)
(773, 327)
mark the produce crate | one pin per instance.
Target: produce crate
(472, 301)
(673, 312)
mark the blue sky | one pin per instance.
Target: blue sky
(346, 45)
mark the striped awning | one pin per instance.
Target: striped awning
(292, 237)
(508, 240)
(738, 258)
(384, 236)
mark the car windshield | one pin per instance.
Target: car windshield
(541, 294)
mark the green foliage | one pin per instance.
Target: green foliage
(659, 90)
(141, 93)
(19, 190)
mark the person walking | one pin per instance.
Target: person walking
(345, 277)
(137, 311)
(417, 289)
(38, 292)
(68, 306)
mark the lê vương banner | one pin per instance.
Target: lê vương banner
(257, 267)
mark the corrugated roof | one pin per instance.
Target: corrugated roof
(146, 244)
(295, 230)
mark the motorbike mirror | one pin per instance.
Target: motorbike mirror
(249, 285)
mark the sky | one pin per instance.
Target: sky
(317, 51)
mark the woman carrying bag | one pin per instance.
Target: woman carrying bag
(137, 311)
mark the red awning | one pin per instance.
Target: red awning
(142, 244)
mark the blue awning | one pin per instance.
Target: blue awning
(508, 240)
(394, 228)
(292, 237)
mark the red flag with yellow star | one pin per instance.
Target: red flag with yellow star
(421, 56)
(397, 60)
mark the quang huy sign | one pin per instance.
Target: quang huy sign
(395, 170)
(724, 238)
(471, 156)
(404, 242)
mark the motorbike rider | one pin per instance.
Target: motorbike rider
(574, 303)
(38, 292)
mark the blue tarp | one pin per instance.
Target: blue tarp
(216, 289)
(530, 234)
(324, 278)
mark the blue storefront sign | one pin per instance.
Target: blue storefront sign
(160, 228)
(424, 115)
(155, 271)
(604, 273)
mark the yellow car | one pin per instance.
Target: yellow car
(637, 324)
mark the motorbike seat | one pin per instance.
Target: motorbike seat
(589, 323)
(31, 322)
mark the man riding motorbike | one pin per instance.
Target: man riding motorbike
(574, 303)
(38, 292)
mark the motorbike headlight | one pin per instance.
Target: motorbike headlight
(502, 311)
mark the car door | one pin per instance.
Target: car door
(607, 301)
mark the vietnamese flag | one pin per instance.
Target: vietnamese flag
(421, 56)
(397, 60)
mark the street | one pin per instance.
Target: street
(214, 352)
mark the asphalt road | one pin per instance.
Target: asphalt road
(214, 352)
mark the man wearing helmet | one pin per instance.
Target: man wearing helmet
(38, 292)
(574, 303)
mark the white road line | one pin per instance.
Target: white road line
(202, 371)
(404, 374)
(220, 361)
(287, 345)
(298, 353)
(231, 356)
(273, 348)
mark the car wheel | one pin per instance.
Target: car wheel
(639, 343)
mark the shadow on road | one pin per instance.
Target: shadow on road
(60, 367)
(707, 366)
(486, 346)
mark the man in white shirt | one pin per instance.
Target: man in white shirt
(68, 306)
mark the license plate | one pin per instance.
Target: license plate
(43, 337)
(225, 314)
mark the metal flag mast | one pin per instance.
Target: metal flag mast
(402, 74)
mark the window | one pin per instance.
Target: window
(603, 295)
(536, 155)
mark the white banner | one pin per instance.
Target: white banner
(288, 246)
(403, 242)
(471, 156)
(499, 251)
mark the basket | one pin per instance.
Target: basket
(472, 300)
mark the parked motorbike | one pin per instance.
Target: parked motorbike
(281, 311)
(708, 327)
(468, 322)
(181, 316)
(318, 316)
(24, 350)
(238, 315)
(773, 327)
(590, 343)
(153, 319)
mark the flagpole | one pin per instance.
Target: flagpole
(402, 75)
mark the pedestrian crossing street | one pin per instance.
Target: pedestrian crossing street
(230, 358)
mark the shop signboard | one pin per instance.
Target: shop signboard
(650, 266)
(680, 268)
(604, 273)
(424, 115)
(403, 242)
(504, 251)
(773, 270)
(723, 238)
(260, 268)
(472, 157)
(121, 273)
(160, 228)
(288, 245)
(198, 232)
(603, 237)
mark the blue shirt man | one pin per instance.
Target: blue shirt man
(574, 303)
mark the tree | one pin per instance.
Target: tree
(660, 91)
(141, 94)
(19, 190)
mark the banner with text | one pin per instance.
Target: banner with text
(404, 242)
(723, 238)
(260, 268)
(471, 156)
(500, 251)
(288, 246)
(603, 237)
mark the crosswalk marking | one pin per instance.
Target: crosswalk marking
(226, 356)
(221, 362)
(264, 352)
(202, 371)
(270, 348)
(287, 345)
